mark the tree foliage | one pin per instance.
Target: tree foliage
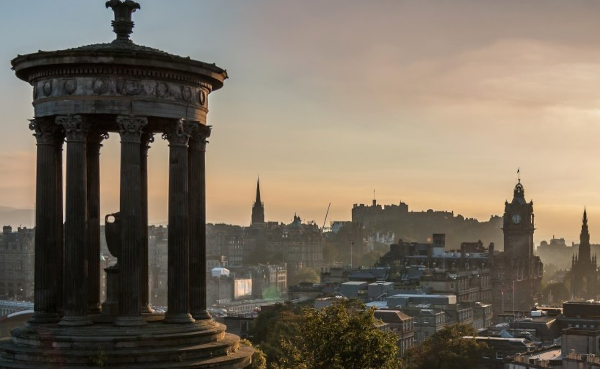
(259, 359)
(446, 349)
(273, 324)
(342, 336)
(303, 275)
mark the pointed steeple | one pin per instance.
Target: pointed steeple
(258, 191)
(258, 210)
(584, 240)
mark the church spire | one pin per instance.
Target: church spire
(258, 191)
(258, 210)
(584, 239)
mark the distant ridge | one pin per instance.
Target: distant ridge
(16, 217)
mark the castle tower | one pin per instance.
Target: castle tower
(258, 210)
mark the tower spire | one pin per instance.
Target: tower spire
(258, 190)
(258, 210)
(584, 239)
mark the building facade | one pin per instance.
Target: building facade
(17, 263)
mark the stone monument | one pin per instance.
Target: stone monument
(81, 95)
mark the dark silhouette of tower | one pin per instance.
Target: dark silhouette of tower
(517, 273)
(258, 210)
(518, 226)
(584, 278)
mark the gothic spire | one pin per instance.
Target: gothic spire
(258, 191)
(258, 210)
(584, 239)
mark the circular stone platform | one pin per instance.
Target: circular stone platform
(202, 344)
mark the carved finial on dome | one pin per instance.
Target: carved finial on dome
(123, 25)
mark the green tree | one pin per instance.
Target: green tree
(303, 275)
(273, 324)
(342, 336)
(259, 359)
(446, 349)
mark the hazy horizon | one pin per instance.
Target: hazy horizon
(435, 104)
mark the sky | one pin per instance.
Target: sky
(436, 104)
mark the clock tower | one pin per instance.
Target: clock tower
(518, 226)
(516, 272)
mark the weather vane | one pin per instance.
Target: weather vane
(123, 25)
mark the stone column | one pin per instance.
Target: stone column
(75, 251)
(147, 138)
(197, 201)
(130, 129)
(48, 241)
(93, 231)
(178, 243)
(59, 224)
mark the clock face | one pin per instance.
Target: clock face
(516, 218)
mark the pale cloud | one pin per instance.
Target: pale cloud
(433, 103)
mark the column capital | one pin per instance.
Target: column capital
(76, 128)
(94, 140)
(96, 137)
(45, 131)
(146, 139)
(198, 136)
(178, 134)
(130, 127)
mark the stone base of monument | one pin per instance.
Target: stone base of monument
(203, 344)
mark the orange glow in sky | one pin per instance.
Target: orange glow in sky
(435, 104)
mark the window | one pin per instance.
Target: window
(499, 355)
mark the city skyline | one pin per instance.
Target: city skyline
(435, 105)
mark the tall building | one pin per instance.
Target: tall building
(517, 274)
(584, 278)
(258, 210)
(16, 263)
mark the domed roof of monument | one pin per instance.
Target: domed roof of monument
(122, 48)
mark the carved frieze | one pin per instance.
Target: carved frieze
(47, 88)
(201, 97)
(129, 86)
(130, 127)
(186, 93)
(70, 85)
(76, 128)
(100, 86)
(162, 90)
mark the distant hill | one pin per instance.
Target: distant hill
(16, 217)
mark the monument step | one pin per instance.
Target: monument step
(166, 357)
(153, 335)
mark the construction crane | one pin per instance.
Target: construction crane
(325, 221)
